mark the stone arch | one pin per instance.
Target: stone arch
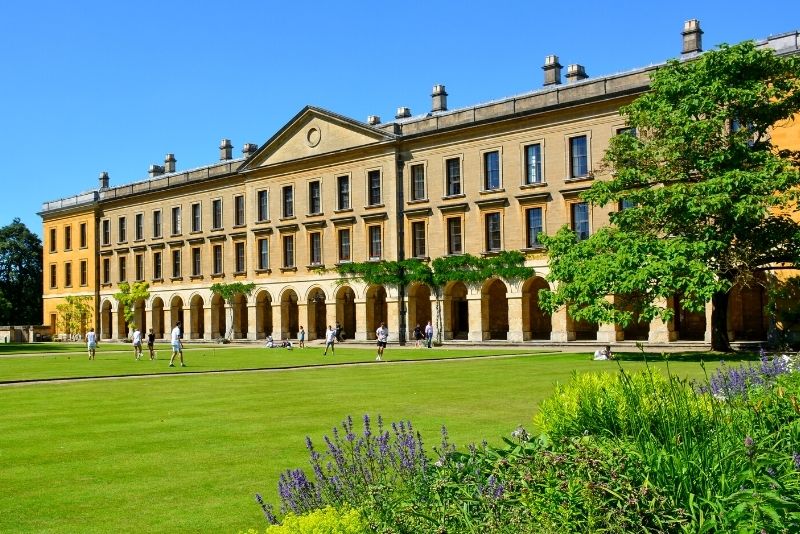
(637, 330)
(290, 320)
(377, 309)
(240, 317)
(494, 309)
(419, 307)
(157, 317)
(456, 311)
(316, 313)
(196, 317)
(346, 310)
(106, 320)
(689, 325)
(263, 314)
(176, 313)
(747, 317)
(536, 323)
(217, 317)
(140, 315)
(581, 330)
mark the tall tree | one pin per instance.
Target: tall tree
(74, 313)
(705, 198)
(127, 296)
(20, 274)
(229, 292)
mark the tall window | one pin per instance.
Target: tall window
(288, 251)
(417, 182)
(106, 231)
(578, 156)
(157, 223)
(343, 193)
(418, 239)
(263, 253)
(491, 170)
(454, 243)
(176, 220)
(139, 266)
(83, 235)
(374, 188)
(217, 256)
(123, 269)
(176, 263)
(533, 164)
(138, 223)
(493, 242)
(534, 226)
(580, 219)
(84, 272)
(157, 265)
(263, 205)
(315, 248)
(238, 249)
(344, 244)
(453, 171)
(197, 221)
(67, 238)
(197, 268)
(67, 275)
(375, 244)
(122, 227)
(216, 214)
(238, 210)
(287, 195)
(106, 270)
(53, 239)
(314, 197)
(53, 275)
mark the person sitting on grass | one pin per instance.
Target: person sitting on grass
(604, 353)
(270, 344)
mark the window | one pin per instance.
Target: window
(417, 182)
(176, 220)
(67, 274)
(239, 252)
(315, 248)
(418, 239)
(106, 232)
(157, 266)
(197, 268)
(157, 224)
(138, 263)
(263, 205)
(53, 276)
(138, 223)
(263, 254)
(287, 196)
(314, 200)
(84, 274)
(106, 270)
(493, 242)
(343, 193)
(373, 188)
(123, 269)
(375, 248)
(216, 214)
(533, 227)
(122, 227)
(580, 219)
(453, 172)
(344, 244)
(67, 238)
(176, 263)
(83, 236)
(454, 244)
(626, 204)
(53, 239)
(217, 257)
(491, 170)
(533, 164)
(288, 251)
(578, 157)
(197, 222)
(628, 130)
(238, 210)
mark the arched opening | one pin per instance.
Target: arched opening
(122, 326)
(176, 314)
(419, 307)
(637, 330)
(690, 326)
(747, 318)
(157, 314)
(217, 317)
(536, 324)
(289, 315)
(106, 320)
(240, 327)
(494, 310)
(582, 330)
(316, 314)
(346, 311)
(196, 318)
(263, 315)
(456, 311)
(140, 316)
(377, 311)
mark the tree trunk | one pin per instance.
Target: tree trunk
(229, 322)
(719, 322)
(437, 292)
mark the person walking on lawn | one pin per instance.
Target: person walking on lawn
(429, 334)
(330, 340)
(382, 333)
(177, 346)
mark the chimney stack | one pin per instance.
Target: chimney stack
(439, 98)
(552, 71)
(249, 149)
(155, 170)
(402, 113)
(373, 120)
(692, 37)
(576, 73)
(225, 150)
(169, 163)
(103, 180)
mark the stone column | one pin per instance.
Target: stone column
(515, 328)
(475, 311)
(709, 327)
(560, 332)
(393, 312)
(277, 322)
(302, 319)
(115, 325)
(207, 328)
(661, 332)
(361, 320)
(609, 333)
(252, 324)
(330, 313)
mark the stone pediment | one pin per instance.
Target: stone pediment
(314, 132)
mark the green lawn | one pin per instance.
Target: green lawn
(187, 452)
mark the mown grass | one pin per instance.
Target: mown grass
(187, 452)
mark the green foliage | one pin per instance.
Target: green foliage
(20, 275)
(127, 296)
(74, 313)
(326, 520)
(229, 291)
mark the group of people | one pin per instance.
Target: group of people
(136, 337)
(425, 334)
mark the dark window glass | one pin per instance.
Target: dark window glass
(580, 220)
(68, 274)
(216, 214)
(106, 271)
(344, 244)
(53, 238)
(156, 224)
(123, 269)
(263, 206)
(417, 182)
(578, 157)
(156, 266)
(418, 238)
(53, 276)
(314, 198)
(83, 237)
(493, 232)
(238, 211)
(138, 222)
(196, 267)
(68, 238)
(288, 251)
(491, 170)
(176, 263)
(176, 220)
(535, 226)
(288, 201)
(315, 248)
(454, 245)
(217, 258)
(375, 245)
(263, 254)
(139, 266)
(239, 257)
(374, 184)
(533, 164)
(197, 223)
(453, 167)
(84, 272)
(122, 230)
(343, 192)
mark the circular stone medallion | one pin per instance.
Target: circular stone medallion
(313, 136)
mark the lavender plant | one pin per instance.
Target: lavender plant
(730, 382)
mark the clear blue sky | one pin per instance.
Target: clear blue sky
(90, 86)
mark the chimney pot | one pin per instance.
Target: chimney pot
(155, 170)
(103, 180)
(169, 163)
(249, 149)
(402, 113)
(439, 98)
(552, 71)
(225, 150)
(373, 120)
(692, 37)
(576, 73)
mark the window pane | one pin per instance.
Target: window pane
(453, 176)
(262, 206)
(374, 181)
(418, 237)
(493, 231)
(263, 254)
(579, 163)
(491, 170)
(417, 182)
(580, 220)
(343, 185)
(534, 219)
(288, 202)
(454, 236)
(344, 245)
(288, 251)
(533, 164)
(375, 248)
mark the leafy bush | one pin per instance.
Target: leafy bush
(326, 520)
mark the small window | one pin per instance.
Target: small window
(157, 265)
(314, 197)
(375, 243)
(240, 258)
(263, 205)
(343, 193)
(157, 224)
(216, 214)
(138, 223)
(580, 219)
(533, 164)
(67, 238)
(263, 254)
(122, 227)
(454, 242)
(493, 237)
(287, 195)
(344, 245)
(491, 170)
(626, 204)
(106, 270)
(534, 226)
(217, 255)
(68, 275)
(176, 263)
(315, 248)
(53, 276)
(83, 235)
(288, 251)
(578, 157)
(106, 232)
(453, 170)
(197, 221)
(418, 239)
(238, 210)
(139, 267)
(123, 269)
(374, 188)
(53, 240)
(628, 130)
(84, 272)
(197, 268)
(176, 220)
(417, 182)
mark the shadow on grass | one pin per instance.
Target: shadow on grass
(707, 356)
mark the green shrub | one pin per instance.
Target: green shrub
(326, 520)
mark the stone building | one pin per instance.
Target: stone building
(327, 189)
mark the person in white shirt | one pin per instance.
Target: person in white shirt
(137, 343)
(428, 334)
(330, 339)
(91, 343)
(177, 346)
(382, 333)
